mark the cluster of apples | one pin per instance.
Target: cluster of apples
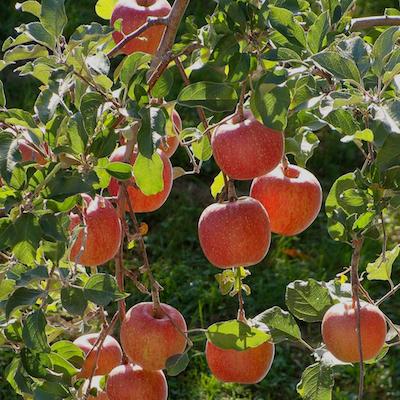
(237, 232)
(148, 338)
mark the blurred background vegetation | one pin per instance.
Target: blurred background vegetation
(187, 277)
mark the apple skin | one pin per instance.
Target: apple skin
(101, 394)
(131, 382)
(172, 138)
(104, 232)
(248, 366)
(292, 198)
(234, 234)
(134, 14)
(339, 331)
(150, 340)
(140, 202)
(246, 149)
(110, 354)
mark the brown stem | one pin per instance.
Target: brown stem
(355, 283)
(239, 108)
(232, 196)
(371, 22)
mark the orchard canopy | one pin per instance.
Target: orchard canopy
(261, 81)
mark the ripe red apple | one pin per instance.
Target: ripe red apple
(134, 13)
(109, 357)
(141, 202)
(148, 339)
(95, 383)
(103, 232)
(292, 198)
(246, 149)
(172, 138)
(131, 382)
(236, 233)
(248, 366)
(339, 331)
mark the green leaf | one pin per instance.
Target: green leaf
(238, 67)
(30, 6)
(340, 67)
(339, 99)
(271, 105)
(392, 68)
(23, 297)
(104, 8)
(202, 148)
(17, 377)
(27, 239)
(335, 199)
(77, 134)
(7, 286)
(2, 95)
(28, 52)
(131, 65)
(282, 326)
(317, 32)
(284, 22)
(176, 364)
(388, 114)
(101, 289)
(59, 189)
(149, 173)
(51, 391)
(225, 48)
(89, 104)
(37, 365)
(46, 105)
(302, 146)
(316, 383)
(163, 85)
(366, 135)
(383, 47)
(356, 49)
(18, 178)
(39, 34)
(217, 185)
(235, 335)
(382, 269)
(354, 198)
(54, 226)
(104, 143)
(69, 351)
(308, 300)
(216, 97)
(54, 251)
(61, 366)
(34, 332)
(38, 273)
(119, 170)
(73, 300)
(53, 16)
(153, 124)
(389, 154)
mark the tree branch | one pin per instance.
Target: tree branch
(371, 22)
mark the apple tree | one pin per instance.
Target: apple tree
(77, 169)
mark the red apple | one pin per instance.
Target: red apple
(95, 383)
(28, 154)
(141, 202)
(292, 198)
(236, 233)
(148, 339)
(109, 357)
(104, 232)
(339, 331)
(245, 149)
(248, 366)
(128, 382)
(134, 13)
(172, 138)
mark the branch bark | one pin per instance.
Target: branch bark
(371, 22)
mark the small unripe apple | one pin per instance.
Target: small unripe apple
(248, 366)
(150, 338)
(140, 202)
(292, 197)
(131, 382)
(109, 357)
(339, 331)
(134, 13)
(235, 233)
(245, 149)
(104, 232)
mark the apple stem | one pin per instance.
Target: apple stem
(355, 284)
(239, 109)
(238, 287)
(285, 164)
(232, 197)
